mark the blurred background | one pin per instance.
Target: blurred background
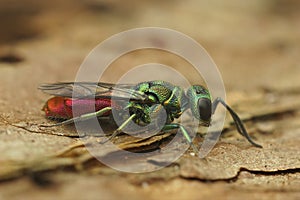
(255, 44)
(257, 41)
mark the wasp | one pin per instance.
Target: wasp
(142, 101)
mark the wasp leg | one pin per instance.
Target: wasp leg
(169, 127)
(82, 117)
(238, 122)
(119, 130)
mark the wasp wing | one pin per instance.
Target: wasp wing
(93, 90)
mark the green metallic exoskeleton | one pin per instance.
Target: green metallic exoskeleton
(145, 100)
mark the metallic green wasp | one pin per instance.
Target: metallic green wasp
(143, 102)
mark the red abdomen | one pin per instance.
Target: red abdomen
(61, 107)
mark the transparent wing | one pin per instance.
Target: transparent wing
(92, 90)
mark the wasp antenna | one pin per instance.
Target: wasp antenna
(238, 122)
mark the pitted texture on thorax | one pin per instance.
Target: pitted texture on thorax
(160, 90)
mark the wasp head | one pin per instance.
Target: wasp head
(200, 103)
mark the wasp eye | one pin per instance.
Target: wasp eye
(204, 106)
